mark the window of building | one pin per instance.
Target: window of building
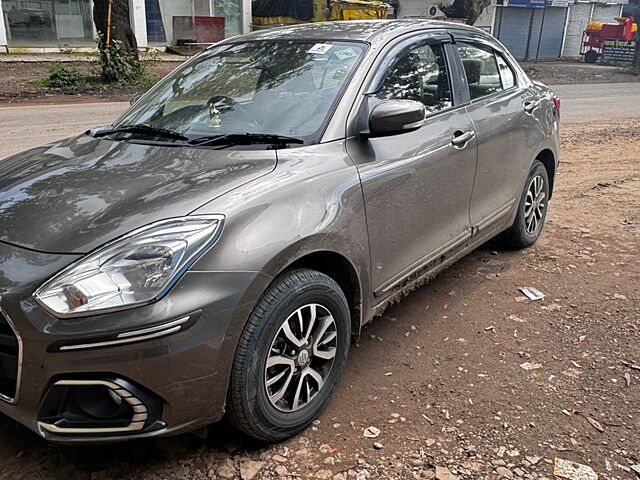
(180, 22)
(52, 23)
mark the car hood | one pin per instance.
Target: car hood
(77, 194)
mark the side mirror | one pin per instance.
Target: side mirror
(135, 98)
(392, 117)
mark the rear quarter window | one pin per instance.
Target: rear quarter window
(507, 76)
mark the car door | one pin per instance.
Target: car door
(416, 185)
(504, 118)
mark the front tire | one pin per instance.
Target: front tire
(532, 210)
(290, 356)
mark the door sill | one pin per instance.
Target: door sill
(493, 218)
(429, 262)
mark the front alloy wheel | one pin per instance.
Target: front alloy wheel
(300, 358)
(290, 356)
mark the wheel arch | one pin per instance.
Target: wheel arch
(548, 159)
(342, 271)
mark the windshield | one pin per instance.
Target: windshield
(283, 87)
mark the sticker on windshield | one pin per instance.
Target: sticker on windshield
(345, 53)
(320, 48)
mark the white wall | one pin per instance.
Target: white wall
(138, 17)
(579, 15)
(606, 13)
(420, 8)
(246, 16)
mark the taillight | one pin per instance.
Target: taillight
(556, 106)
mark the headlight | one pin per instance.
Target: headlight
(134, 270)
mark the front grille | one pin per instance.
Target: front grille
(9, 352)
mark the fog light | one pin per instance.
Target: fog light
(98, 407)
(98, 402)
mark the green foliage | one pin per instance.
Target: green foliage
(66, 48)
(119, 67)
(62, 76)
(631, 69)
(115, 67)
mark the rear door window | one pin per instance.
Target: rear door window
(480, 68)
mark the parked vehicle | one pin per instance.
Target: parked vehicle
(596, 33)
(216, 249)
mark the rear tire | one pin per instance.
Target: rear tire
(290, 356)
(532, 210)
(591, 56)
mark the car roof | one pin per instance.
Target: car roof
(370, 31)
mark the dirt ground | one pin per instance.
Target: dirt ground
(441, 374)
(17, 87)
(567, 72)
(17, 80)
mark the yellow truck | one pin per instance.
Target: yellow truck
(270, 13)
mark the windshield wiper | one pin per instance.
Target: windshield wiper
(142, 128)
(244, 139)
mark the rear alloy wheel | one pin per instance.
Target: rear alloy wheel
(532, 210)
(290, 357)
(535, 205)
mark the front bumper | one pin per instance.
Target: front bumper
(187, 370)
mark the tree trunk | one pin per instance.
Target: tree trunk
(120, 25)
(470, 10)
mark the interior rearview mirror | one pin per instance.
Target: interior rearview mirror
(392, 117)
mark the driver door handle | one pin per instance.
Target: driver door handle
(459, 138)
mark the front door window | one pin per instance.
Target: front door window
(419, 73)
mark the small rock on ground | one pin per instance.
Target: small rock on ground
(504, 472)
(443, 473)
(249, 469)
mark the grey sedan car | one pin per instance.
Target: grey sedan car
(214, 251)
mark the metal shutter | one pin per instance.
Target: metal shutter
(512, 29)
(519, 30)
(552, 33)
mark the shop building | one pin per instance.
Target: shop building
(549, 29)
(530, 29)
(54, 25)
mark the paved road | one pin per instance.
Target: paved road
(25, 127)
(599, 101)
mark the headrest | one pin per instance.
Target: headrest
(472, 68)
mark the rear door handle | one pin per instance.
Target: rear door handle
(459, 138)
(529, 107)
